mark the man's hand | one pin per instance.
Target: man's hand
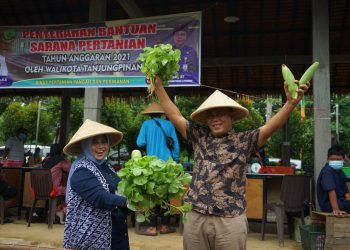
(301, 91)
(339, 213)
(157, 81)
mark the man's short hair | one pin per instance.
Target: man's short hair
(336, 150)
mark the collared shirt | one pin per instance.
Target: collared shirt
(328, 180)
(219, 173)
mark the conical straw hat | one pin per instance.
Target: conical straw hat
(219, 100)
(153, 108)
(90, 129)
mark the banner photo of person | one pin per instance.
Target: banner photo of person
(96, 54)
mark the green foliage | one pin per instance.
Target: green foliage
(301, 137)
(76, 115)
(117, 113)
(17, 115)
(253, 121)
(4, 102)
(297, 138)
(344, 120)
(148, 182)
(160, 60)
(188, 104)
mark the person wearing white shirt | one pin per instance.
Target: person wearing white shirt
(14, 147)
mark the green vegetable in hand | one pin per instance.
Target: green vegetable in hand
(309, 73)
(160, 60)
(148, 181)
(289, 78)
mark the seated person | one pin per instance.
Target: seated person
(58, 166)
(7, 192)
(332, 191)
(57, 172)
(36, 158)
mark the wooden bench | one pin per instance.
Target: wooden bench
(337, 229)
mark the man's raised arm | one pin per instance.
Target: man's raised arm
(171, 110)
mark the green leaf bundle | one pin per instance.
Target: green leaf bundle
(160, 60)
(148, 181)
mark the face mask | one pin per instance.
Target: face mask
(336, 165)
(22, 136)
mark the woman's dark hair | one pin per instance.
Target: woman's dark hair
(336, 150)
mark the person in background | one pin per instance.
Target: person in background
(217, 191)
(4, 48)
(335, 141)
(189, 66)
(96, 215)
(152, 137)
(8, 192)
(332, 191)
(14, 148)
(59, 166)
(36, 158)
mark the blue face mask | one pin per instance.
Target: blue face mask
(336, 165)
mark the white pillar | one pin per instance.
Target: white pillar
(321, 84)
(93, 96)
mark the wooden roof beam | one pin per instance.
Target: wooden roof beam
(131, 8)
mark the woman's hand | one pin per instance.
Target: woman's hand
(301, 91)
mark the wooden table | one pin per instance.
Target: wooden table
(262, 189)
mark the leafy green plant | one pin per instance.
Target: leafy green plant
(160, 60)
(148, 181)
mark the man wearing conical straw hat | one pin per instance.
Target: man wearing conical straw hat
(96, 215)
(152, 137)
(217, 191)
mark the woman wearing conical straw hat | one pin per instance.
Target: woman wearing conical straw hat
(96, 215)
(217, 191)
